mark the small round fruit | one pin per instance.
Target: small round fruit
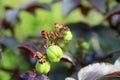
(54, 53)
(42, 68)
(85, 45)
(67, 35)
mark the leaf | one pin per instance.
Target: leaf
(69, 78)
(10, 59)
(33, 75)
(105, 34)
(55, 1)
(66, 58)
(99, 4)
(8, 8)
(32, 6)
(42, 48)
(117, 63)
(10, 42)
(7, 25)
(95, 71)
(85, 10)
(115, 10)
(29, 48)
(96, 44)
(111, 76)
(0, 55)
(68, 6)
(12, 15)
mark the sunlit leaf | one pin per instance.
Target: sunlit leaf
(69, 78)
(9, 59)
(4, 75)
(69, 5)
(95, 71)
(117, 63)
(66, 58)
(111, 76)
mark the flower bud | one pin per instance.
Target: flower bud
(42, 67)
(44, 34)
(54, 53)
(67, 35)
(85, 45)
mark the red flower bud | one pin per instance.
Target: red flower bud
(57, 25)
(56, 34)
(62, 26)
(44, 34)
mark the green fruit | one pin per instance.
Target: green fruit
(54, 53)
(42, 68)
(67, 35)
(85, 45)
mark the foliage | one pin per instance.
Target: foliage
(27, 27)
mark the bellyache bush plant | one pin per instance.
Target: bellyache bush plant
(53, 52)
(99, 71)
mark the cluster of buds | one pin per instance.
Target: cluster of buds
(53, 52)
(61, 26)
(61, 31)
(41, 58)
(50, 35)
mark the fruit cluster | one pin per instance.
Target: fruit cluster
(53, 52)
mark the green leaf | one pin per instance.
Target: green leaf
(4, 75)
(10, 59)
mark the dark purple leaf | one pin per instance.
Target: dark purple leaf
(29, 48)
(32, 6)
(59, 73)
(118, 1)
(111, 76)
(11, 15)
(10, 42)
(66, 58)
(115, 10)
(7, 25)
(32, 75)
(99, 4)
(69, 5)
(8, 8)
(42, 48)
(85, 10)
